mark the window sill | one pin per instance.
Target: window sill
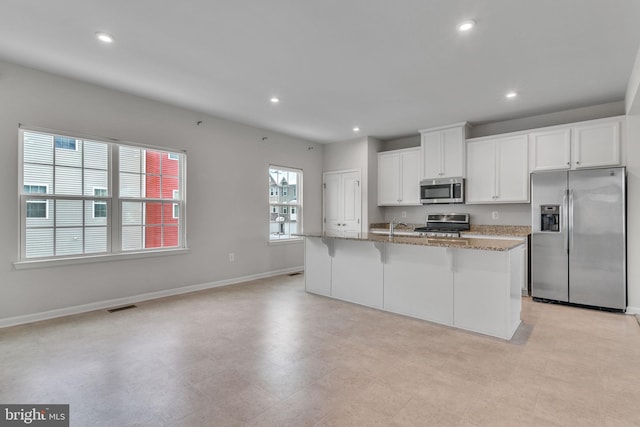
(286, 241)
(57, 262)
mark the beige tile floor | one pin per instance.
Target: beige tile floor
(266, 353)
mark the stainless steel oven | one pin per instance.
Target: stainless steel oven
(442, 190)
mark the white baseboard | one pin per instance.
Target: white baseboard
(101, 305)
(633, 310)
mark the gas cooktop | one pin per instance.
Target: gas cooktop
(445, 225)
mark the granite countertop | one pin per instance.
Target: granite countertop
(459, 242)
(484, 230)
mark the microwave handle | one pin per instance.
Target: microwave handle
(452, 191)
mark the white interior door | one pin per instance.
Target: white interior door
(351, 200)
(331, 202)
(342, 201)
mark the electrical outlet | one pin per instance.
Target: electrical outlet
(232, 257)
(494, 215)
(404, 214)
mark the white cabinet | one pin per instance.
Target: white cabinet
(498, 170)
(443, 151)
(399, 177)
(550, 149)
(584, 145)
(342, 202)
(596, 145)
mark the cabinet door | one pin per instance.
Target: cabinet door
(351, 201)
(431, 155)
(512, 169)
(481, 172)
(410, 178)
(332, 202)
(596, 145)
(550, 150)
(452, 150)
(388, 179)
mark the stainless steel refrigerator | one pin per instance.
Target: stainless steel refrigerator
(578, 242)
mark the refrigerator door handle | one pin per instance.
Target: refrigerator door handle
(563, 226)
(570, 220)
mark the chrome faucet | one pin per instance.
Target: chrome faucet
(393, 225)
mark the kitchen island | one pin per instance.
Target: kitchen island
(468, 283)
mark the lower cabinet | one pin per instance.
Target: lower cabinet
(476, 290)
(418, 282)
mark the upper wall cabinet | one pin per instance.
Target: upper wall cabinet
(596, 145)
(498, 170)
(550, 149)
(584, 145)
(443, 151)
(399, 177)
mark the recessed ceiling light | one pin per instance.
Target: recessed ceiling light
(466, 25)
(511, 94)
(275, 100)
(356, 129)
(104, 37)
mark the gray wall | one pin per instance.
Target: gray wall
(550, 119)
(227, 192)
(358, 154)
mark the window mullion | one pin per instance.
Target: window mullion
(115, 224)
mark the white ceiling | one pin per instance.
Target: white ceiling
(389, 67)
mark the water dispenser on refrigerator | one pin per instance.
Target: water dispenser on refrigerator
(550, 218)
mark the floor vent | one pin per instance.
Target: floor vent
(294, 274)
(126, 307)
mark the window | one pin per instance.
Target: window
(36, 208)
(284, 207)
(100, 208)
(176, 207)
(75, 203)
(65, 143)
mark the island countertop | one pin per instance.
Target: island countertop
(449, 242)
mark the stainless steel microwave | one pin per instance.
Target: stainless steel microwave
(442, 190)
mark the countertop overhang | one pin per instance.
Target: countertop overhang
(448, 242)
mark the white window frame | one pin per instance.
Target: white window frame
(114, 216)
(63, 148)
(298, 205)
(46, 204)
(93, 208)
(175, 195)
